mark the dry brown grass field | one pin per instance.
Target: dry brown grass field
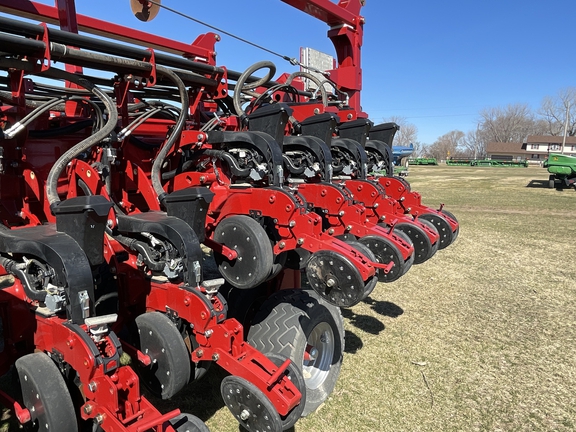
(482, 337)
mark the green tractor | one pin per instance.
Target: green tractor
(562, 168)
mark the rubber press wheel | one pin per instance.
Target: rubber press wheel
(423, 247)
(365, 250)
(300, 325)
(169, 370)
(433, 229)
(443, 227)
(249, 405)
(45, 394)
(188, 423)
(255, 259)
(294, 375)
(385, 252)
(451, 216)
(335, 278)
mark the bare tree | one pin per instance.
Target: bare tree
(510, 124)
(407, 134)
(419, 149)
(559, 112)
(448, 145)
(473, 145)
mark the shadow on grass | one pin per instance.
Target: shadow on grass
(201, 398)
(243, 429)
(353, 342)
(364, 322)
(538, 184)
(384, 308)
(544, 184)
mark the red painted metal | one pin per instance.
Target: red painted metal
(120, 171)
(51, 14)
(381, 208)
(346, 33)
(410, 202)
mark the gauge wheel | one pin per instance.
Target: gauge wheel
(300, 325)
(45, 394)
(255, 260)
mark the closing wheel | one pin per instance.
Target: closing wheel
(364, 250)
(45, 394)
(385, 252)
(335, 278)
(249, 405)
(188, 423)
(443, 227)
(451, 216)
(294, 375)
(300, 325)
(255, 257)
(423, 247)
(169, 370)
(432, 228)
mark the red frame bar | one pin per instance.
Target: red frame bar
(53, 15)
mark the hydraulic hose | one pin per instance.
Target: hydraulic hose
(242, 86)
(180, 123)
(218, 154)
(316, 81)
(13, 267)
(140, 247)
(30, 117)
(68, 156)
(64, 130)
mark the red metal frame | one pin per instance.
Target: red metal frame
(65, 10)
(346, 33)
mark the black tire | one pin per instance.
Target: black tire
(255, 260)
(385, 252)
(287, 322)
(294, 375)
(188, 423)
(423, 248)
(442, 226)
(249, 405)
(410, 261)
(365, 250)
(431, 226)
(45, 394)
(160, 339)
(451, 216)
(551, 182)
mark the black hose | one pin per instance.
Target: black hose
(180, 123)
(316, 81)
(30, 117)
(242, 86)
(141, 248)
(65, 130)
(142, 144)
(11, 267)
(69, 155)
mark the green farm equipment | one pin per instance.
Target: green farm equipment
(488, 163)
(422, 161)
(562, 168)
(501, 163)
(459, 162)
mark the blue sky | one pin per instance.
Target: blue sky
(435, 63)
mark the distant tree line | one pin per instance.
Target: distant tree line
(512, 123)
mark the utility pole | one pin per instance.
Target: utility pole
(568, 105)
